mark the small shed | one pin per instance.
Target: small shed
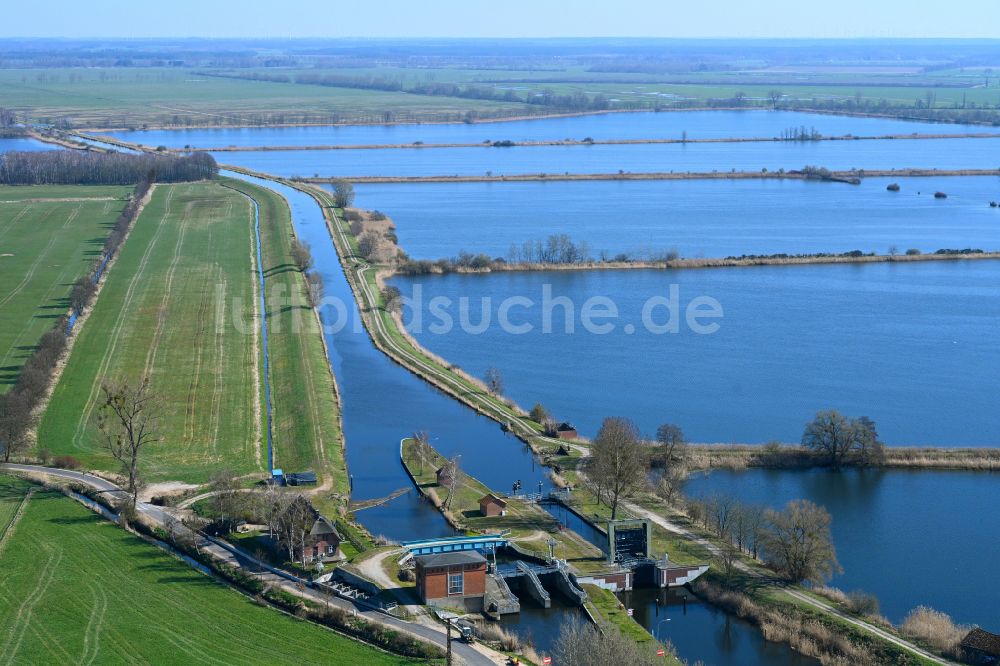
(278, 477)
(491, 505)
(981, 647)
(566, 431)
(301, 478)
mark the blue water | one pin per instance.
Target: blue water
(25, 145)
(698, 218)
(910, 537)
(383, 403)
(637, 158)
(701, 632)
(697, 124)
(912, 346)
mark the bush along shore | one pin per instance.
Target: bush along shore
(791, 456)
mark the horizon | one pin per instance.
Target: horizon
(394, 19)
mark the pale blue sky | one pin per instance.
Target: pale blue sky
(501, 18)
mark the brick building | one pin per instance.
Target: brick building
(455, 579)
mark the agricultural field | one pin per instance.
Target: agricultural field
(123, 97)
(179, 307)
(77, 589)
(49, 237)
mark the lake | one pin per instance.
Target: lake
(699, 218)
(912, 346)
(636, 158)
(24, 144)
(910, 537)
(639, 125)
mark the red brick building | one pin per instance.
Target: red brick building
(491, 505)
(566, 431)
(455, 579)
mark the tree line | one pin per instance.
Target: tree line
(77, 167)
(18, 407)
(795, 542)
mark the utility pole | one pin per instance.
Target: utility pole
(447, 624)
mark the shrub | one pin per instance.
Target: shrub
(913, 252)
(862, 603)
(933, 627)
(66, 462)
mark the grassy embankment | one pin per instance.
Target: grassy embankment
(304, 395)
(49, 236)
(531, 526)
(582, 142)
(607, 611)
(181, 307)
(788, 456)
(835, 176)
(79, 589)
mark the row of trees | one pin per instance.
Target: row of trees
(93, 168)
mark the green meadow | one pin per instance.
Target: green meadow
(49, 237)
(178, 307)
(78, 589)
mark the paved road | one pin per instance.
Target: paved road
(466, 654)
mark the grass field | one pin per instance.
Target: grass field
(123, 97)
(306, 414)
(49, 236)
(178, 306)
(77, 589)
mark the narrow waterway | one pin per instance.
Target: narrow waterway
(383, 402)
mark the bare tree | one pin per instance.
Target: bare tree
(15, 421)
(670, 484)
(838, 437)
(227, 502)
(830, 433)
(585, 645)
(392, 299)
(293, 521)
(127, 421)
(302, 255)
(494, 381)
(722, 510)
(452, 482)
(871, 451)
(797, 542)
(672, 444)
(421, 444)
(343, 193)
(617, 463)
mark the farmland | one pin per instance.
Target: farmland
(81, 590)
(178, 307)
(49, 235)
(121, 97)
